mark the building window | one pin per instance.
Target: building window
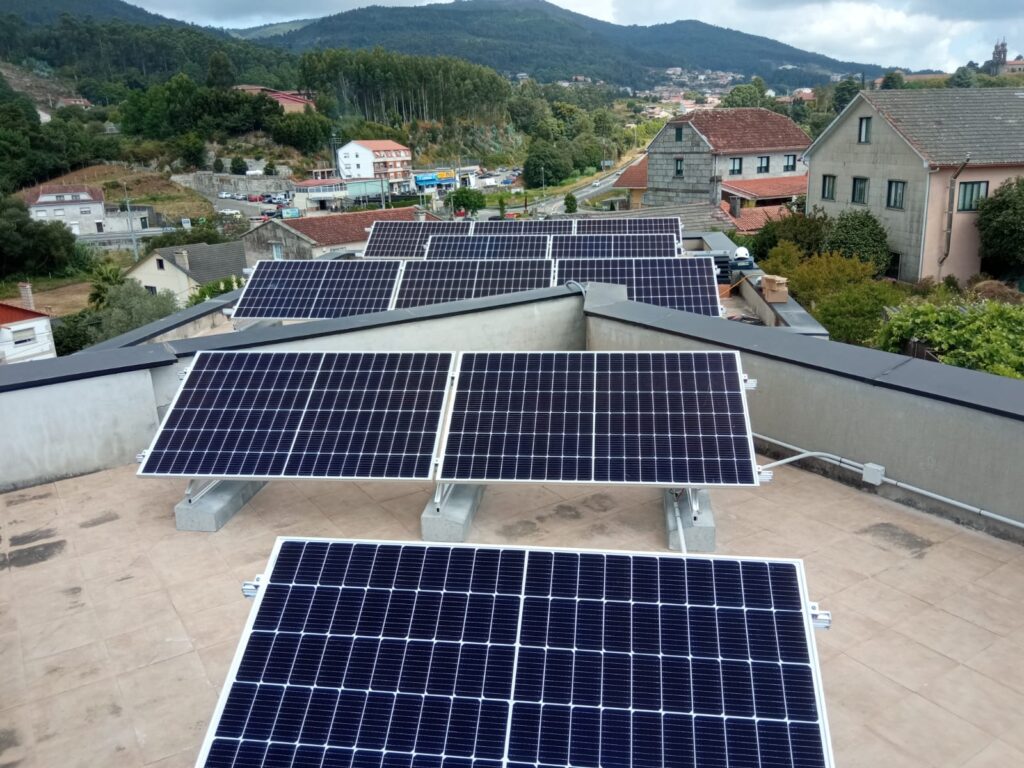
(893, 270)
(679, 134)
(76, 197)
(864, 130)
(99, 227)
(85, 211)
(41, 214)
(160, 264)
(151, 289)
(144, 222)
(860, 191)
(679, 166)
(24, 336)
(790, 164)
(60, 198)
(894, 195)
(971, 194)
(58, 211)
(735, 166)
(764, 164)
(277, 251)
(828, 187)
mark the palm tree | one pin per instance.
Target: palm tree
(105, 275)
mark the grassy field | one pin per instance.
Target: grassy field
(58, 296)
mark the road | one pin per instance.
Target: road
(584, 192)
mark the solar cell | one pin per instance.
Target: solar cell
(614, 246)
(406, 239)
(519, 228)
(647, 226)
(396, 655)
(661, 418)
(488, 247)
(301, 414)
(688, 284)
(433, 282)
(317, 289)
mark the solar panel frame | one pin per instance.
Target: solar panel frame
(603, 469)
(712, 562)
(406, 239)
(325, 282)
(633, 226)
(686, 284)
(517, 228)
(438, 281)
(303, 429)
(452, 247)
(614, 246)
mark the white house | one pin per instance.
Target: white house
(183, 269)
(379, 159)
(24, 335)
(79, 208)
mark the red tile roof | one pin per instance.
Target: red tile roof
(745, 129)
(11, 313)
(634, 177)
(343, 228)
(767, 189)
(379, 145)
(63, 189)
(751, 220)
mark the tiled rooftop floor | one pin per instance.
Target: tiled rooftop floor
(116, 631)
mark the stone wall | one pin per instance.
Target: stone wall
(695, 185)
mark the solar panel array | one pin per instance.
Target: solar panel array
(304, 414)
(406, 239)
(364, 655)
(666, 225)
(433, 282)
(686, 284)
(312, 290)
(488, 247)
(614, 246)
(520, 228)
(661, 418)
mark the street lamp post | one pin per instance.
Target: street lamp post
(131, 222)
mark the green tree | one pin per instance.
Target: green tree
(29, 247)
(219, 71)
(306, 131)
(466, 199)
(546, 164)
(239, 166)
(218, 165)
(854, 313)
(74, 332)
(105, 276)
(746, 95)
(501, 206)
(809, 231)
(128, 306)
(571, 204)
(813, 279)
(858, 234)
(963, 77)
(844, 93)
(214, 289)
(270, 169)
(1001, 226)
(192, 150)
(783, 259)
(893, 81)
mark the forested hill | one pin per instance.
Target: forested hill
(49, 11)
(551, 43)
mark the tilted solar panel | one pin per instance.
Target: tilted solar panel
(688, 284)
(391, 655)
(648, 226)
(614, 246)
(304, 414)
(518, 228)
(406, 239)
(658, 418)
(309, 290)
(488, 247)
(434, 282)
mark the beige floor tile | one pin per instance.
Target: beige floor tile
(859, 688)
(849, 628)
(133, 613)
(161, 727)
(215, 625)
(208, 592)
(217, 660)
(879, 602)
(65, 671)
(960, 562)
(1002, 661)
(44, 606)
(186, 759)
(864, 749)
(147, 645)
(176, 678)
(858, 555)
(71, 631)
(186, 558)
(901, 659)
(928, 731)
(982, 607)
(998, 754)
(920, 580)
(990, 546)
(61, 572)
(1007, 580)
(979, 700)
(950, 635)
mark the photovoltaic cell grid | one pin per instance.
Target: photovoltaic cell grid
(518, 228)
(658, 418)
(488, 247)
(433, 282)
(362, 655)
(663, 225)
(300, 415)
(317, 289)
(688, 284)
(614, 246)
(406, 239)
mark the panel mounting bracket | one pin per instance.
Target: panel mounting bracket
(821, 619)
(765, 475)
(141, 456)
(251, 588)
(749, 383)
(183, 373)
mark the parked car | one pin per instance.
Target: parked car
(224, 195)
(239, 196)
(255, 199)
(229, 212)
(596, 184)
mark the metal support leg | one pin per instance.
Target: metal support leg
(689, 520)
(450, 511)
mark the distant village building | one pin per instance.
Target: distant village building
(74, 102)
(332, 194)
(634, 180)
(379, 159)
(79, 208)
(182, 270)
(290, 101)
(25, 334)
(1000, 63)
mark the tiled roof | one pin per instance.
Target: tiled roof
(33, 195)
(634, 177)
(207, 263)
(11, 313)
(378, 145)
(745, 129)
(758, 189)
(305, 183)
(752, 220)
(945, 124)
(342, 228)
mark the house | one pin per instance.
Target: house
(79, 208)
(290, 101)
(380, 159)
(1001, 65)
(693, 153)
(183, 269)
(634, 179)
(754, 193)
(25, 334)
(331, 194)
(74, 102)
(316, 236)
(921, 161)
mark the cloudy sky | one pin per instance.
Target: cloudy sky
(938, 34)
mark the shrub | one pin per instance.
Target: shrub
(854, 314)
(783, 259)
(858, 234)
(825, 274)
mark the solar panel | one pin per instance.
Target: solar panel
(406, 239)
(317, 289)
(488, 247)
(658, 418)
(391, 655)
(614, 246)
(663, 225)
(687, 284)
(433, 282)
(513, 227)
(304, 414)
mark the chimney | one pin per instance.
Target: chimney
(181, 259)
(735, 203)
(421, 215)
(27, 299)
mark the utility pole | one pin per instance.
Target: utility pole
(131, 222)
